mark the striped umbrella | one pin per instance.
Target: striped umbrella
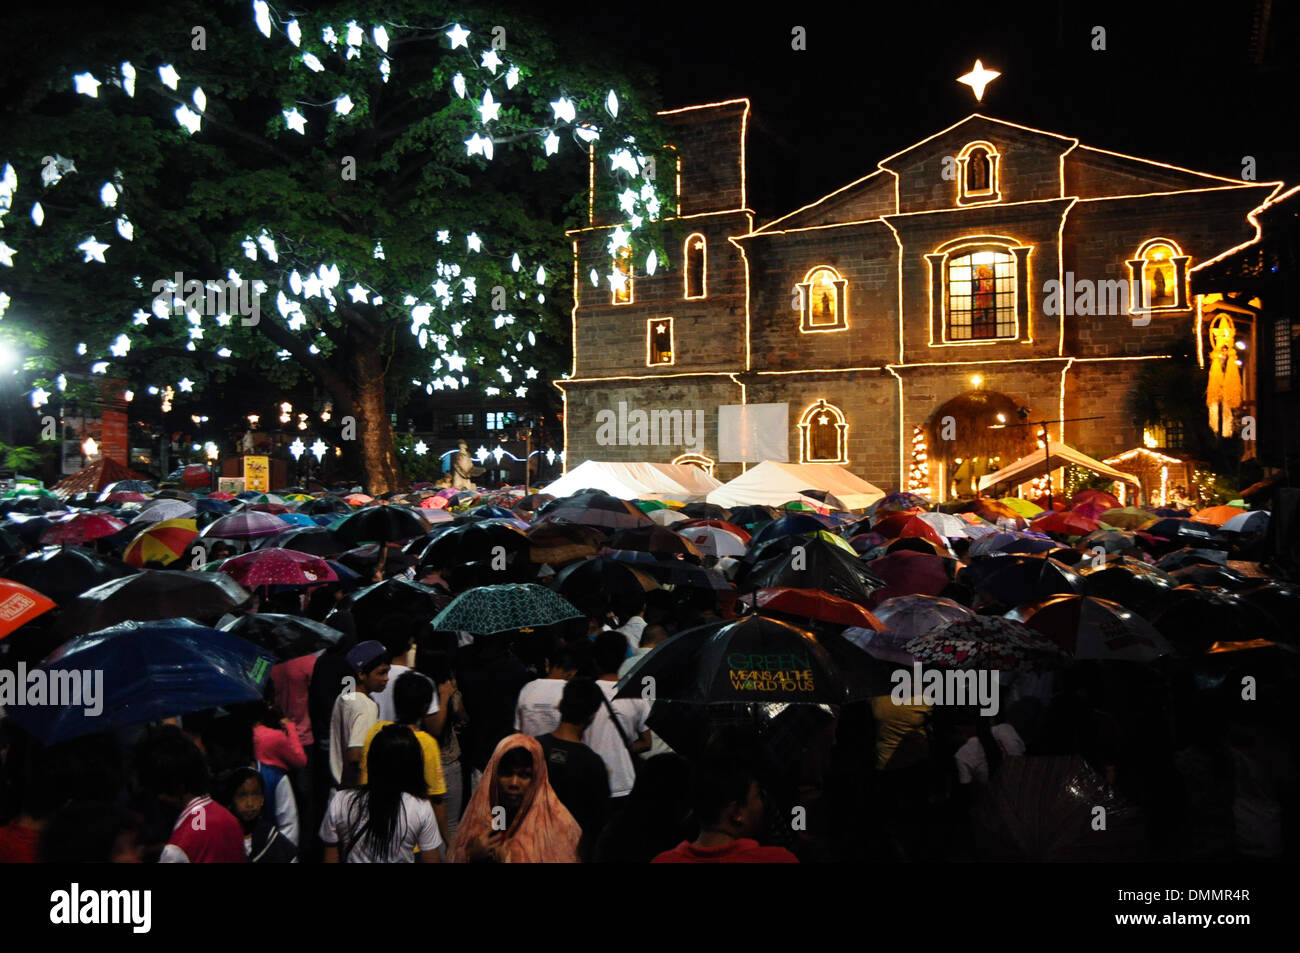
(165, 541)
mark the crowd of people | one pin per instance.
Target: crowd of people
(402, 743)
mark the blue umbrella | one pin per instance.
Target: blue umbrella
(206, 505)
(137, 672)
(297, 519)
(794, 524)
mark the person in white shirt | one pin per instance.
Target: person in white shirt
(973, 756)
(604, 736)
(355, 711)
(385, 821)
(632, 626)
(537, 711)
(651, 636)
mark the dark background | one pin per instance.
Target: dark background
(1199, 86)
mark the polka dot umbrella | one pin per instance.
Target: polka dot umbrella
(278, 567)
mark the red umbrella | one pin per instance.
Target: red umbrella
(82, 529)
(1064, 524)
(20, 604)
(896, 525)
(433, 503)
(272, 508)
(911, 573)
(1091, 511)
(814, 604)
(1096, 497)
(221, 495)
(1057, 504)
(278, 567)
(196, 474)
(127, 496)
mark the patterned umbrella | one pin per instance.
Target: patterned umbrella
(243, 526)
(433, 503)
(165, 541)
(489, 610)
(157, 510)
(20, 604)
(986, 642)
(713, 541)
(895, 502)
(945, 524)
(278, 567)
(82, 528)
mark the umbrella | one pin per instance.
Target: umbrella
(490, 512)
(433, 503)
(396, 596)
(1195, 619)
(897, 501)
(985, 642)
(1254, 521)
(894, 525)
(1020, 507)
(379, 524)
(734, 529)
(1064, 523)
(316, 540)
(910, 616)
(284, 636)
(994, 511)
(648, 506)
(1128, 517)
(358, 499)
(824, 496)
(1282, 604)
(712, 541)
(10, 544)
(144, 671)
(667, 517)
(1090, 511)
(321, 505)
(1090, 628)
(812, 604)
(752, 515)
(594, 509)
(945, 524)
(243, 525)
(1015, 580)
(125, 486)
(210, 504)
(20, 604)
(623, 583)
(489, 610)
(1217, 515)
(908, 573)
(751, 659)
(1192, 556)
(1218, 577)
(470, 542)
(66, 572)
(706, 511)
(559, 542)
(1041, 809)
(1132, 583)
(82, 528)
(657, 541)
(1110, 540)
(157, 510)
(815, 564)
(1099, 498)
(124, 496)
(156, 594)
(1179, 530)
(278, 567)
(165, 541)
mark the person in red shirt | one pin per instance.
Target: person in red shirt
(730, 808)
(173, 769)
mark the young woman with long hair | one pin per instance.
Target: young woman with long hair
(383, 821)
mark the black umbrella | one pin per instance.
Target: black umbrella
(379, 524)
(480, 539)
(157, 594)
(1217, 577)
(286, 636)
(1192, 556)
(1089, 628)
(313, 540)
(1281, 602)
(704, 511)
(675, 573)
(392, 596)
(593, 508)
(751, 515)
(1180, 530)
(816, 564)
(1194, 619)
(323, 505)
(10, 544)
(657, 541)
(621, 583)
(1132, 583)
(1015, 580)
(65, 572)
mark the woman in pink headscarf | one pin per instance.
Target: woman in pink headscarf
(514, 816)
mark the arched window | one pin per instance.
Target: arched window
(659, 342)
(824, 300)
(823, 434)
(977, 174)
(623, 268)
(703, 461)
(695, 254)
(979, 291)
(1158, 277)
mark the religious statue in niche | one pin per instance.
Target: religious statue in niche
(1223, 392)
(977, 171)
(984, 315)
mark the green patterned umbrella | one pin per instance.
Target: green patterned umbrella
(488, 610)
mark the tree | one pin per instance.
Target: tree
(372, 195)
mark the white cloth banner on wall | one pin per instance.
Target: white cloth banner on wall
(751, 433)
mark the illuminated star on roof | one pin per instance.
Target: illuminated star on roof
(978, 78)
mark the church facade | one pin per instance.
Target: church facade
(990, 260)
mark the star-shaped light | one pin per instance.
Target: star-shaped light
(490, 61)
(87, 85)
(498, 453)
(318, 448)
(481, 454)
(474, 145)
(40, 397)
(188, 119)
(356, 36)
(93, 250)
(420, 448)
(550, 456)
(170, 78)
(564, 110)
(531, 373)
(521, 391)
(359, 294)
(458, 36)
(186, 385)
(978, 78)
(474, 242)
(343, 105)
(141, 316)
(551, 143)
(490, 109)
(617, 281)
(295, 121)
(455, 363)
(297, 447)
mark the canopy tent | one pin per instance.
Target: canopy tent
(637, 481)
(1044, 461)
(771, 484)
(95, 477)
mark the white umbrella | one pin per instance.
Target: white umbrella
(157, 510)
(667, 517)
(712, 540)
(945, 524)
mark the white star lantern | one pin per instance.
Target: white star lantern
(978, 78)
(87, 85)
(552, 143)
(295, 121)
(490, 61)
(170, 78)
(93, 250)
(318, 449)
(490, 109)
(564, 110)
(458, 36)
(359, 294)
(297, 447)
(420, 448)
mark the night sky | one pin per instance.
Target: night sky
(875, 78)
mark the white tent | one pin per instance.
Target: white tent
(637, 481)
(1043, 461)
(771, 484)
